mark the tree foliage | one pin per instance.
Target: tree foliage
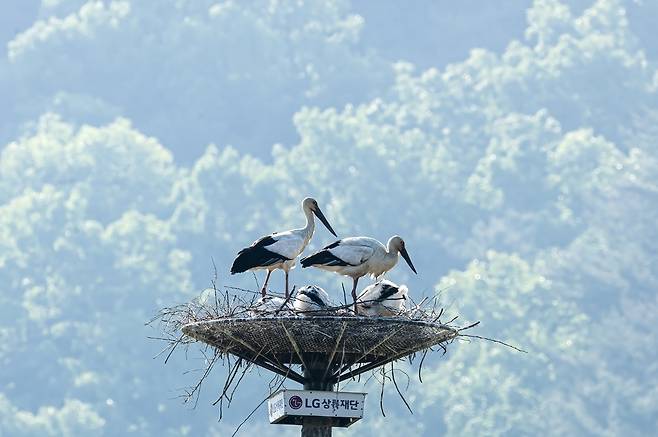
(149, 139)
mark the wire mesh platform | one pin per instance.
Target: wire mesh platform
(346, 346)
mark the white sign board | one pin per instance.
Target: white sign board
(287, 403)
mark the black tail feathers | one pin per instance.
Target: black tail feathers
(252, 257)
(324, 258)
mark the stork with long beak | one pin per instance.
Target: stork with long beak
(279, 250)
(359, 256)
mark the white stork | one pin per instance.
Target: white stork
(268, 306)
(279, 250)
(359, 256)
(383, 298)
(311, 299)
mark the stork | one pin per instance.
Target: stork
(383, 298)
(359, 256)
(268, 306)
(311, 299)
(279, 250)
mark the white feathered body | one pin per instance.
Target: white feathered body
(383, 298)
(310, 300)
(269, 306)
(360, 256)
(289, 244)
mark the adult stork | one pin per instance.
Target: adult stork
(359, 256)
(383, 298)
(279, 250)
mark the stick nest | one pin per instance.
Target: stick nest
(234, 328)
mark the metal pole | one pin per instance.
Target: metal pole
(314, 375)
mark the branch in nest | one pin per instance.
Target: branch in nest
(398, 389)
(493, 340)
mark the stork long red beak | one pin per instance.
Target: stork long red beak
(405, 255)
(324, 221)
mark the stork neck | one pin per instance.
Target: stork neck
(310, 224)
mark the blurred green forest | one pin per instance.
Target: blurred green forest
(513, 146)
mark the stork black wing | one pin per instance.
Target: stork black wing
(263, 242)
(256, 255)
(332, 245)
(324, 258)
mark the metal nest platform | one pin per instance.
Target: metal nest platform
(333, 348)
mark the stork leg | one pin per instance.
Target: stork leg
(267, 278)
(356, 280)
(287, 285)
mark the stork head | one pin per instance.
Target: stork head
(396, 245)
(315, 291)
(311, 205)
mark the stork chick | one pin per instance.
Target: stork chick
(310, 300)
(269, 306)
(383, 298)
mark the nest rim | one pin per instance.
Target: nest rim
(340, 342)
(369, 319)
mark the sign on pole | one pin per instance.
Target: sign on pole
(288, 406)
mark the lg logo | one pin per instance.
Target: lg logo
(295, 402)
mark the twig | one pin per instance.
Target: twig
(257, 407)
(469, 326)
(174, 347)
(493, 341)
(398, 389)
(420, 366)
(256, 279)
(285, 302)
(381, 394)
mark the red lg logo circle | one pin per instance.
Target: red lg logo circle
(295, 402)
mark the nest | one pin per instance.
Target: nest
(339, 342)
(317, 349)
